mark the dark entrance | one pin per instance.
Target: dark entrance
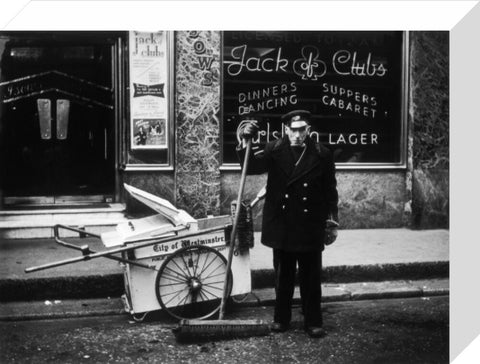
(58, 119)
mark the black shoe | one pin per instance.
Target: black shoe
(316, 332)
(279, 327)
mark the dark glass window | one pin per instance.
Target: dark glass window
(350, 81)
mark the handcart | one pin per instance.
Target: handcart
(171, 261)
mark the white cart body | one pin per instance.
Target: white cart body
(140, 282)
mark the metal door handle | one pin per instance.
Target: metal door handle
(45, 118)
(63, 108)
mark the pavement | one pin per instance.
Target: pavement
(361, 264)
(331, 292)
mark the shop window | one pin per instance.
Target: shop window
(353, 83)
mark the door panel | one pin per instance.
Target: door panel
(58, 122)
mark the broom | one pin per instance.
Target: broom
(207, 330)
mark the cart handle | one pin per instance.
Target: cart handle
(85, 249)
(138, 244)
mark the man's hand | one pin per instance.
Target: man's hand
(250, 129)
(331, 231)
(330, 235)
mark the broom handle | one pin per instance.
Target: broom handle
(234, 228)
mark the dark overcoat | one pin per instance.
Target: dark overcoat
(300, 198)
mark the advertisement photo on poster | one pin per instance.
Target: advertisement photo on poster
(149, 133)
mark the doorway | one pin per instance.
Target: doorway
(58, 120)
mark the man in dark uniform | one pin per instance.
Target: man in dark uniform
(300, 214)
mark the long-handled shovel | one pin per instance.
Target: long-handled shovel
(206, 330)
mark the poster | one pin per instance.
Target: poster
(149, 104)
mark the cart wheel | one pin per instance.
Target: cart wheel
(189, 284)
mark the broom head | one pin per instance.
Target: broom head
(189, 331)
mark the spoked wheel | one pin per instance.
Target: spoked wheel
(189, 284)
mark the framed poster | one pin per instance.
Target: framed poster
(353, 83)
(149, 85)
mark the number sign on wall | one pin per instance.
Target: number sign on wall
(352, 82)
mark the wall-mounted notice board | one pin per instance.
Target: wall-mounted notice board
(150, 100)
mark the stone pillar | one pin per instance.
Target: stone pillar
(430, 121)
(197, 104)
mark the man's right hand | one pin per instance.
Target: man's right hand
(250, 130)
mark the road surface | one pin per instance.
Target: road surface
(391, 331)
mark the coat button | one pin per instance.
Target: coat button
(306, 210)
(305, 185)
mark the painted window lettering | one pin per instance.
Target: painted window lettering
(353, 139)
(345, 63)
(268, 98)
(256, 64)
(310, 67)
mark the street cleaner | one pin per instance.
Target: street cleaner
(300, 214)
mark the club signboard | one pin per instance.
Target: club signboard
(351, 82)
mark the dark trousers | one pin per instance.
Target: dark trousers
(309, 274)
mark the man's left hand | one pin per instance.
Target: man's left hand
(330, 235)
